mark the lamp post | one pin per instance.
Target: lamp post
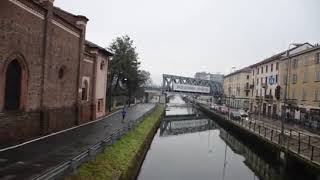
(287, 89)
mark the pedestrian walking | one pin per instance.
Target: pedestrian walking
(123, 112)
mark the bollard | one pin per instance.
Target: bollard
(312, 149)
(265, 131)
(91, 153)
(299, 144)
(73, 165)
(271, 134)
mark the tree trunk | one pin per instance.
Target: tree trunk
(109, 93)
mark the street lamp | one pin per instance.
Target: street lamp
(286, 88)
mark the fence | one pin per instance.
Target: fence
(72, 164)
(302, 144)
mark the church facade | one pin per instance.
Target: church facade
(50, 76)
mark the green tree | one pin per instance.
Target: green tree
(124, 74)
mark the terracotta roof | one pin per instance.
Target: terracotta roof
(101, 49)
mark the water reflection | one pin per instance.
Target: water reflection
(168, 127)
(192, 149)
(189, 146)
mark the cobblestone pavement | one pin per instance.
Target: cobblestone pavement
(33, 158)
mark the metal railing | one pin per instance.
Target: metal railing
(302, 144)
(71, 165)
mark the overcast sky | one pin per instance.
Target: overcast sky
(182, 37)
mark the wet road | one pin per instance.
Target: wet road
(33, 158)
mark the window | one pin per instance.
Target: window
(257, 81)
(247, 76)
(100, 105)
(262, 70)
(266, 78)
(271, 68)
(317, 95)
(102, 64)
(304, 94)
(306, 60)
(317, 58)
(294, 63)
(294, 78)
(61, 72)
(305, 76)
(277, 65)
(317, 78)
(252, 72)
(84, 93)
(258, 71)
(277, 78)
(261, 81)
(284, 79)
(266, 68)
(293, 93)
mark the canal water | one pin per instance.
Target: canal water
(198, 149)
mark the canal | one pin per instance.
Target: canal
(197, 148)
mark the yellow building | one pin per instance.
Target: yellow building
(303, 88)
(265, 82)
(236, 88)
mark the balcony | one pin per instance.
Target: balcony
(258, 97)
(290, 101)
(264, 85)
(268, 98)
(247, 88)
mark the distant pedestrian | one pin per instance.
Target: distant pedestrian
(123, 112)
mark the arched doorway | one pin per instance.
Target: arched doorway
(13, 86)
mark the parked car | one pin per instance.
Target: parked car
(223, 109)
(235, 115)
(244, 115)
(214, 107)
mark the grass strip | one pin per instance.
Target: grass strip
(117, 158)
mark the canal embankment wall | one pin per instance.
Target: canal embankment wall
(123, 159)
(291, 161)
(136, 162)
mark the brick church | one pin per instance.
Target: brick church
(51, 78)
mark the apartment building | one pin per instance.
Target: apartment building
(208, 76)
(301, 101)
(236, 88)
(265, 86)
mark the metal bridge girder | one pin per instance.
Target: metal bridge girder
(168, 80)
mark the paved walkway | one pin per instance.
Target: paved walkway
(33, 158)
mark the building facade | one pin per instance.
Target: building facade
(208, 76)
(265, 83)
(42, 67)
(236, 88)
(301, 78)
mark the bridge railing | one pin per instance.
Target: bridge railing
(304, 145)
